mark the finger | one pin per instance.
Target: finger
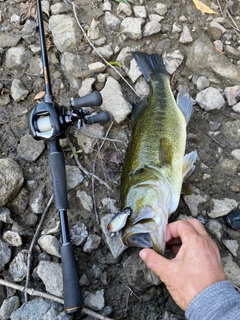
(174, 241)
(197, 225)
(176, 248)
(154, 261)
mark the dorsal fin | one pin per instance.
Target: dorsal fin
(185, 103)
(137, 109)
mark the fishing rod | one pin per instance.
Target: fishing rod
(48, 121)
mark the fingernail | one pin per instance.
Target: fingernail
(142, 254)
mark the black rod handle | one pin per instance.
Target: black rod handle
(101, 117)
(57, 166)
(90, 100)
(71, 289)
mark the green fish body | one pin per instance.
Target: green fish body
(155, 165)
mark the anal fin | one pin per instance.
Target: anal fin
(188, 164)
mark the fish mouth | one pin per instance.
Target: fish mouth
(146, 235)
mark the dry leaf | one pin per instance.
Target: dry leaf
(4, 90)
(202, 7)
(45, 7)
(93, 31)
(48, 43)
(28, 9)
(39, 95)
(219, 50)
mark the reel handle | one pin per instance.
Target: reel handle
(90, 100)
(101, 117)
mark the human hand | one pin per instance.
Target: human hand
(196, 266)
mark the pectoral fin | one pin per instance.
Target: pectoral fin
(188, 164)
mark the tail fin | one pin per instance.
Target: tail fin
(150, 64)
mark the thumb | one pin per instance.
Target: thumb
(157, 263)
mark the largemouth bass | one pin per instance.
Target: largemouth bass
(155, 165)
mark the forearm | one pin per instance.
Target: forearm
(220, 301)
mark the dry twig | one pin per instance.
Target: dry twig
(48, 296)
(99, 54)
(34, 239)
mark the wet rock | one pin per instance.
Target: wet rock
(151, 27)
(114, 243)
(202, 83)
(132, 27)
(9, 39)
(185, 35)
(8, 306)
(161, 9)
(231, 245)
(74, 177)
(12, 238)
(17, 58)
(30, 149)
(50, 244)
(215, 228)
(51, 275)
(78, 233)
(5, 254)
(118, 108)
(18, 91)
(138, 275)
(231, 270)
(232, 95)
(37, 309)
(172, 60)
(18, 267)
(85, 200)
(11, 180)
(86, 87)
(140, 12)
(204, 59)
(92, 243)
(222, 207)
(64, 30)
(210, 99)
(194, 200)
(20, 203)
(95, 300)
(37, 203)
(111, 21)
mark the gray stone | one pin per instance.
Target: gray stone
(95, 300)
(20, 203)
(59, 7)
(218, 44)
(119, 108)
(236, 154)
(231, 270)
(124, 8)
(5, 215)
(215, 228)
(12, 238)
(204, 59)
(88, 136)
(74, 177)
(134, 73)
(37, 203)
(232, 94)
(11, 180)
(8, 306)
(65, 32)
(111, 21)
(202, 83)
(17, 58)
(37, 309)
(9, 39)
(142, 87)
(236, 108)
(78, 233)
(161, 9)
(216, 24)
(231, 245)
(151, 27)
(85, 200)
(5, 254)
(109, 205)
(18, 267)
(51, 275)
(210, 99)
(28, 31)
(97, 67)
(107, 6)
(231, 132)
(140, 12)
(114, 243)
(86, 87)
(106, 51)
(232, 52)
(194, 200)
(18, 91)
(132, 27)
(172, 60)
(222, 207)
(155, 17)
(138, 275)
(30, 149)
(185, 35)
(92, 243)
(50, 244)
